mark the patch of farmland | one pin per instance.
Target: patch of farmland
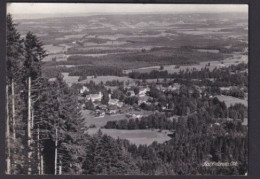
(104, 79)
(74, 79)
(138, 137)
(90, 119)
(235, 59)
(200, 32)
(59, 57)
(51, 49)
(70, 79)
(97, 54)
(208, 50)
(89, 44)
(75, 36)
(143, 35)
(229, 100)
(56, 51)
(90, 55)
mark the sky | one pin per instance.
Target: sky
(77, 8)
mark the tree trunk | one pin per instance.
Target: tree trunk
(7, 135)
(56, 151)
(32, 120)
(60, 168)
(42, 166)
(38, 150)
(13, 120)
(29, 127)
(13, 112)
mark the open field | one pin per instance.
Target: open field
(235, 59)
(90, 119)
(100, 121)
(53, 49)
(229, 100)
(74, 79)
(77, 36)
(104, 79)
(137, 137)
(58, 57)
(70, 79)
(56, 52)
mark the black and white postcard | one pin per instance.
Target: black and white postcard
(126, 89)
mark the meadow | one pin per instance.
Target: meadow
(99, 122)
(138, 137)
(229, 100)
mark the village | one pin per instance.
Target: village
(114, 106)
(114, 100)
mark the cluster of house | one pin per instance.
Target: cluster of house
(142, 95)
(111, 108)
(113, 105)
(176, 88)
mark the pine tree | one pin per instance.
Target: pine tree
(14, 47)
(71, 132)
(105, 155)
(63, 123)
(34, 53)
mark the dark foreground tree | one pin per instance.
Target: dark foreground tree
(105, 155)
(14, 61)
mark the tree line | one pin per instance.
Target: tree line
(162, 120)
(226, 76)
